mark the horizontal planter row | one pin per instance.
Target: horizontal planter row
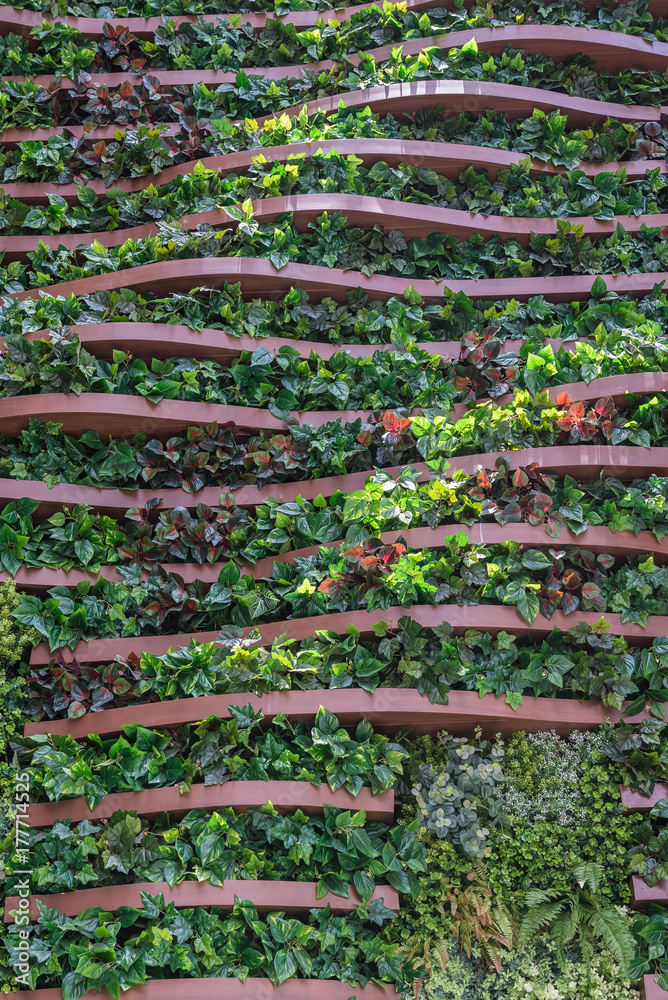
(620, 544)
(413, 220)
(121, 415)
(259, 277)
(234, 989)
(491, 617)
(286, 796)
(406, 98)
(168, 340)
(447, 158)
(608, 50)
(267, 895)
(21, 22)
(387, 709)
(584, 462)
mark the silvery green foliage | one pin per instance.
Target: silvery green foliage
(560, 765)
(461, 801)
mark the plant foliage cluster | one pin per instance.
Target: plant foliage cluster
(25, 103)
(331, 242)
(582, 663)
(212, 455)
(213, 751)
(230, 44)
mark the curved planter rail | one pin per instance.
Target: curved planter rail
(21, 22)
(128, 415)
(388, 709)
(167, 340)
(584, 462)
(233, 989)
(240, 795)
(492, 617)
(266, 895)
(447, 159)
(608, 50)
(258, 276)
(412, 219)
(467, 95)
(405, 99)
(620, 544)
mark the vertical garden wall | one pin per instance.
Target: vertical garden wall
(334, 501)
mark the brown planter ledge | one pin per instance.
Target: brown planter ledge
(405, 98)
(128, 415)
(167, 340)
(585, 462)
(643, 893)
(639, 802)
(469, 95)
(267, 895)
(21, 22)
(240, 795)
(608, 50)
(621, 545)
(121, 415)
(413, 220)
(232, 989)
(258, 276)
(490, 617)
(387, 709)
(650, 990)
(447, 159)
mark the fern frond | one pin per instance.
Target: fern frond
(534, 897)
(493, 956)
(611, 929)
(480, 868)
(418, 986)
(573, 921)
(560, 933)
(442, 954)
(506, 925)
(497, 937)
(590, 876)
(539, 917)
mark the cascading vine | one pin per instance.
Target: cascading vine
(334, 500)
